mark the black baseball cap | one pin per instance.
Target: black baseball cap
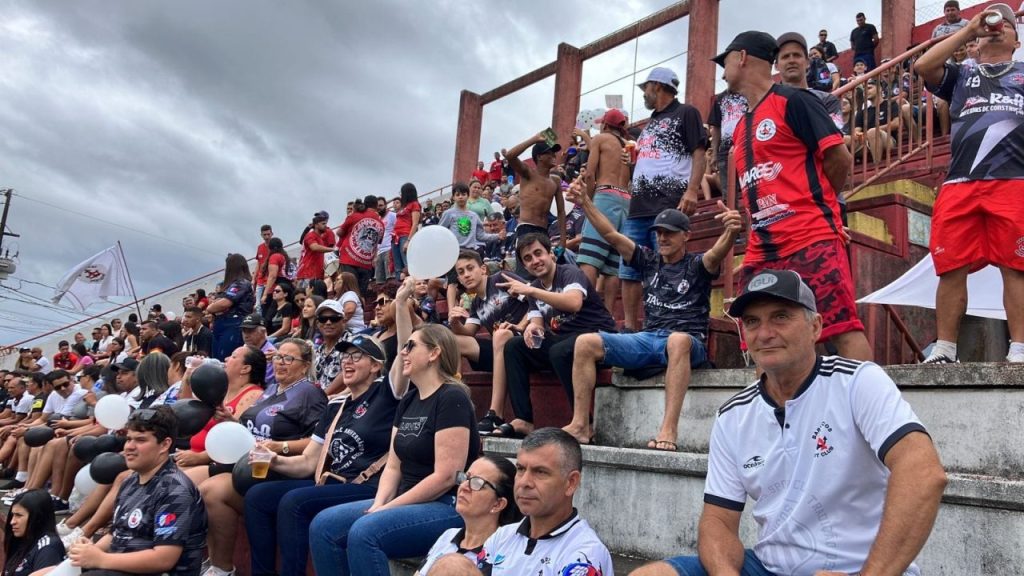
(366, 344)
(543, 148)
(128, 365)
(253, 320)
(757, 44)
(321, 216)
(672, 220)
(781, 284)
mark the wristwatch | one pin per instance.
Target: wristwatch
(284, 448)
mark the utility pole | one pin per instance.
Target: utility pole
(3, 219)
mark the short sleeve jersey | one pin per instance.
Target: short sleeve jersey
(403, 219)
(814, 467)
(591, 317)
(311, 263)
(362, 434)
(23, 406)
(450, 542)
(47, 551)
(419, 419)
(262, 251)
(987, 133)
(780, 148)
(496, 305)
(664, 163)
(241, 296)
(362, 233)
(166, 511)
(286, 416)
(571, 548)
(947, 28)
(727, 111)
(677, 296)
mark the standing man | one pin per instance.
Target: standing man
(844, 478)
(677, 306)
(262, 253)
(978, 217)
(494, 174)
(480, 175)
(607, 182)
(953, 21)
(670, 157)
(790, 162)
(863, 40)
(358, 239)
(382, 263)
(828, 49)
(198, 339)
(537, 186)
(317, 241)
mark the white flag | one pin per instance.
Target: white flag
(99, 277)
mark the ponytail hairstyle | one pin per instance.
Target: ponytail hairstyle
(440, 337)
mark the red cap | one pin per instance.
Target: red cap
(614, 118)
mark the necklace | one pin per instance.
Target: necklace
(993, 71)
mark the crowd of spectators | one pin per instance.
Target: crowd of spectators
(348, 370)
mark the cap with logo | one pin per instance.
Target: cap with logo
(672, 220)
(781, 284)
(366, 344)
(128, 365)
(757, 44)
(253, 320)
(662, 76)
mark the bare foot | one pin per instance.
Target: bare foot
(584, 434)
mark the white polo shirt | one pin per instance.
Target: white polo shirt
(571, 548)
(814, 467)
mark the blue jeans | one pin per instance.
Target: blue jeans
(279, 514)
(398, 256)
(258, 308)
(643, 349)
(345, 540)
(691, 566)
(227, 336)
(639, 231)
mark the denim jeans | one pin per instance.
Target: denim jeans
(381, 266)
(279, 514)
(258, 308)
(642, 349)
(345, 540)
(691, 566)
(398, 256)
(227, 336)
(639, 231)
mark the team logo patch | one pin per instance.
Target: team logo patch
(762, 282)
(1020, 247)
(1017, 79)
(581, 569)
(93, 274)
(822, 447)
(135, 518)
(754, 462)
(166, 520)
(765, 130)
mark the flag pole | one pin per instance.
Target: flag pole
(130, 283)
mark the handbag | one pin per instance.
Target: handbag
(322, 475)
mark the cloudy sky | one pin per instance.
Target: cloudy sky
(179, 127)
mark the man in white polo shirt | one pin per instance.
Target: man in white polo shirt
(843, 476)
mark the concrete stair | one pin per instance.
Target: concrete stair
(646, 504)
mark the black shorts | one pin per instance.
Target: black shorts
(485, 363)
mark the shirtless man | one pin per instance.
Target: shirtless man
(607, 182)
(537, 186)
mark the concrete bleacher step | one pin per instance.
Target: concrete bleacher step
(623, 565)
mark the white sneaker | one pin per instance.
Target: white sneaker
(1015, 358)
(63, 529)
(72, 537)
(214, 571)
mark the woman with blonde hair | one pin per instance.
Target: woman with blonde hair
(348, 294)
(434, 436)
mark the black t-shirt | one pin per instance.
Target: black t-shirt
(286, 416)
(418, 420)
(877, 115)
(496, 306)
(277, 318)
(166, 511)
(242, 298)
(592, 316)
(161, 343)
(677, 296)
(828, 50)
(363, 433)
(47, 551)
(861, 38)
(199, 341)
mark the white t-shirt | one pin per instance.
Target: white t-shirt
(814, 467)
(448, 543)
(44, 365)
(57, 404)
(357, 322)
(23, 406)
(389, 229)
(571, 548)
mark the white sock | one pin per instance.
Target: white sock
(21, 476)
(944, 348)
(1016, 348)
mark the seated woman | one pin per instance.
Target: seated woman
(306, 326)
(341, 464)
(282, 423)
(434, 436)
(279, 313)
(485, 501)
(30, 537)
(351, 302)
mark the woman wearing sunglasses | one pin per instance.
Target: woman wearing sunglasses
(279, 313)
(485, 501)
(433, 437)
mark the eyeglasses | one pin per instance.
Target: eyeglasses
(383, 300)
(286, 359)
(352, 356)
(476, 483)
(329, 319)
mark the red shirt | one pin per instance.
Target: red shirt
(779, 163)
(261, 254)
(281, 262)
(359, 237)
(311, 263)
(65, 360)
(403, 220)
(495, 174)
(480, 175)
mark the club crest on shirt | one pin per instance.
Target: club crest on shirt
(135, 518)
(822, 447)
(765, 130)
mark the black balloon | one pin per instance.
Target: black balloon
(38, 436)
(192, 416)
(107, 443)
(241, 476)
(85, 449)
(81, 411)
(105, 467)
(209, 384)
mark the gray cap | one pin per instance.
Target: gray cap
(253, 320)
(780, 284)
(673, 220)
(662, 75)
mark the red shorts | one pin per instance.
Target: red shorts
(825, 269)
(978, 223)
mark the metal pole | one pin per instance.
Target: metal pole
(130, 283)
(3, 219)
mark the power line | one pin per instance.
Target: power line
(633, 73)
(33, 282)
(117, 225)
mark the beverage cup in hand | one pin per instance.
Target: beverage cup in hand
(259, 458)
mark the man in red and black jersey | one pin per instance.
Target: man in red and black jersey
(790, 162)
(978, 217)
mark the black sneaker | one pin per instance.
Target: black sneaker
(489, 423)
(60, 506)
(8, 473)
(940, 359)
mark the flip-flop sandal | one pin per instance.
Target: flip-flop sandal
(662, 445)
(507, 431)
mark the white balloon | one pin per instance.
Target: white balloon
(84, 482)
(229, 441)
(66, 569)
(497, 207)
(112, 411)
(432, 252)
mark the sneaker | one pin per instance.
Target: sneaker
(214, 571)
(940, 359)
(63, 529)
(11, 495)
(1015, 357)
(8, 473)
(13, 486)
(60, 506)
(489, 423)
(72, 537)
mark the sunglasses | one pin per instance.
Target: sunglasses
(329, 319)
(476, 483)
(409, 345)
(278, 291)
(61, 386)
